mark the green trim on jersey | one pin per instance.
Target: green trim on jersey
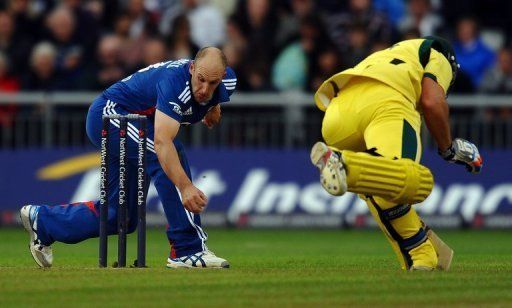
(409, 141)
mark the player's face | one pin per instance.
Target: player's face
(206, 77)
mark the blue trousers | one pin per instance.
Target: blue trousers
(73, 223)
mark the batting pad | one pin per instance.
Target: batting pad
(401, 181)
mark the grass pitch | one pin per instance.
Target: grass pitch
(268, 268)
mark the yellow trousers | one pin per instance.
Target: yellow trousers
(368, 115)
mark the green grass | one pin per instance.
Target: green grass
(268, 268)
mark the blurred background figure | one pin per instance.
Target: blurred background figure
(474, 56)
(154, 52)
(8, 84)
(498, 79)
(42, 75)
(207, 24)
(62, 32)
(290, 20)
(110, 66)
(142, 21)
(358, 46)
(180, 41)
(14, 45)
(393, 9)
(327, 64)
(296, 63)
(421, 17)
(256, 20)
(360, 12)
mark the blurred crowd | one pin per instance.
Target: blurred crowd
(50, 45)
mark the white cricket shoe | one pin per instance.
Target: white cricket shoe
(203, 259)
(332, 172)
(42, 254)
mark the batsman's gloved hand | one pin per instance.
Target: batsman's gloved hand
(464, 153)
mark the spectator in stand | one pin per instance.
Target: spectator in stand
(257, 20)
(154, 52)
(15, 47)
(207, 24)
(293, 66)
(498, 80)
(110, 66)
(27, 21)
(421, 17)
(474, 56)
(180, 42)
(143, 23)
(61, 26)
(360, 12)
(131, 48)
(378, 46)
(173, 10)
(8, 84)
(411, 34)
(327, 64)
(96, 9)
(135, 26)
(86, 26)
(394, 9)
(235, 35)
(257, 76)
(289, 23)
(42, 75)
(233, 55)
(226, 7)
(235, 50)
(358, 45)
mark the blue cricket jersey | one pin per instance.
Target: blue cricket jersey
(166, 86)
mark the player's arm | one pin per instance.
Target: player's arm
(436, 114)
(167, 125)
(212, 117)
(166, 129)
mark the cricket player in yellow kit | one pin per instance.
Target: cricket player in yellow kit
(372, 143)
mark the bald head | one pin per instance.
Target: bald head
(212, 55)
(207, 70)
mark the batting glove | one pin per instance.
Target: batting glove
(464, 153)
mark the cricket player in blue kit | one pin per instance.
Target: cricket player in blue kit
(171, 94)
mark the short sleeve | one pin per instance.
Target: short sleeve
(438, 68)
(167, 100)
(230, 80)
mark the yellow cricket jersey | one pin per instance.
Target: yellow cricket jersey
(402, 67)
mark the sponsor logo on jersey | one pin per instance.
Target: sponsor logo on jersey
(176, 108)
(188, 111)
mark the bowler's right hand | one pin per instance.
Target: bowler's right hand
(194, 200)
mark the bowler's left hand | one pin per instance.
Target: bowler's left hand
(212, 117)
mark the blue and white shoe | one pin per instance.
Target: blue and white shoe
(203, 259)
(42, 254)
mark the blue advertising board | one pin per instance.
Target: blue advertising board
(269, 188)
